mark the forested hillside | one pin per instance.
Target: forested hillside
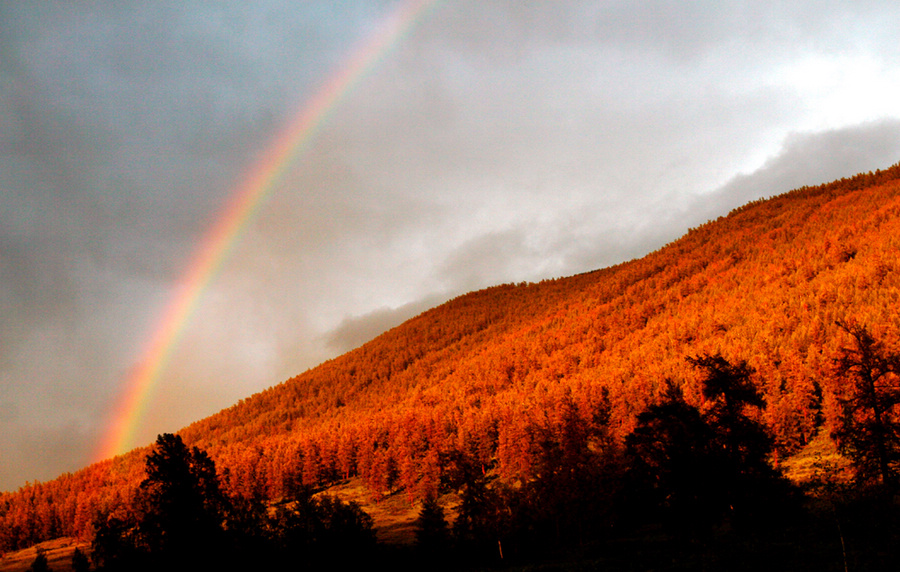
(490, 374)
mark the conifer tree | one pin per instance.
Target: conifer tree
(178, 514)
(80, 562)
(700, 468)
(869, 430)
(432, 530)
(730, 392)
(671, 462)
(182, 503)
(40, 563)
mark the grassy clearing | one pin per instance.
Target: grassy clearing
(58, 552)
(393, 515)
(819, 464)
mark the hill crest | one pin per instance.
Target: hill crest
(485, 370)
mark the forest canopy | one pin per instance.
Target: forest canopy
(504, 380)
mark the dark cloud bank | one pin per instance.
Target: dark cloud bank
(497, 142)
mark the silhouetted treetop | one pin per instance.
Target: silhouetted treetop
(727, 386)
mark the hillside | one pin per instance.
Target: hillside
(488, 372)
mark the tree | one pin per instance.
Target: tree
(324, 530)
(569, 500)
(115, 545)
(478, 525)
(183, 506)
(869, 428)
(741, 445)
(80, 562)
(742, 441)
(40, 562)
(432, 530)
(727, 386)
(178, 515)
(672, 466)
(344, 524)
(699, 468)
(181, 520)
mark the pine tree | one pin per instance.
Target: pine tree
(701, 468)
(182, 503)
(40, 563)
(80, 562)
(869, 430)
(671, 465)
(177, 517)
(432, 530)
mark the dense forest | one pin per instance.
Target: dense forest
(779, 293)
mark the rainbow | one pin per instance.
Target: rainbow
(244, 202)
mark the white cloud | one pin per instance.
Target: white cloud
(840, 90)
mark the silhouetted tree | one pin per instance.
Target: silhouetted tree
(183, 507)
(80, 562)
(248, 529)
(576, 476)
(728, 387)
(672, 465)
(182, 521)
(702, 467)
(178, 517)
(344, 524)
(40, 563)
(741, 445)
(432, 530)
(869, 430)
(115, 545)
(477, 527)
(322, 530)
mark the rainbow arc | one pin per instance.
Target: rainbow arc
(292, 142)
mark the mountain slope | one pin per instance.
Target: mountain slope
(487, 372)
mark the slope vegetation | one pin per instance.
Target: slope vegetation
(489, 372)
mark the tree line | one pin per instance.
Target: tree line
(687, 476)
(692, 486)
(492, 374)
(181, 519)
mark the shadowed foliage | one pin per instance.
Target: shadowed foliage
(493, 396)
(182, 520)
(40, 563)
(700, 469)
(432, 530)
(80, 562)
(869, 429)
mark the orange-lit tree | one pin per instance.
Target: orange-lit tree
(869, 432)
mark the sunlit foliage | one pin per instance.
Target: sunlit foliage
(499, 376)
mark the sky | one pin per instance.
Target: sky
(489, 142)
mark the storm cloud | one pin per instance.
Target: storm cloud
(495, 142)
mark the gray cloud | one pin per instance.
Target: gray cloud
(39, 451)
(495, 142)
(491, 257)
(354, 331)
(807, 159)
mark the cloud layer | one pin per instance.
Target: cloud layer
(497, 142)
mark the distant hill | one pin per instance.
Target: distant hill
(483, 372)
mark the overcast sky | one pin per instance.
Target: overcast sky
(497, 142)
